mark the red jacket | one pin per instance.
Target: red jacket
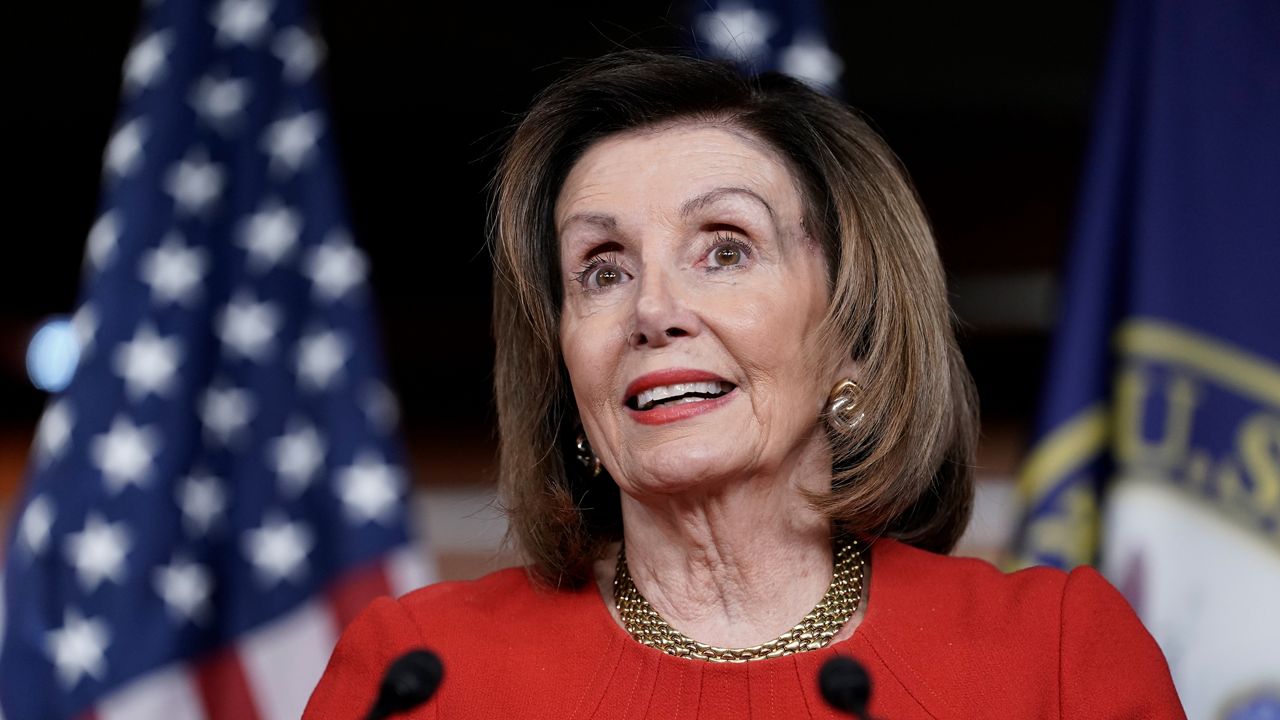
(942, 637)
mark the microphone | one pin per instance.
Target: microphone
(845, 686)
(410, 681)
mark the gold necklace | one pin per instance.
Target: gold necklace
(814, 631)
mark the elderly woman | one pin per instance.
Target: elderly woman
(736, 438)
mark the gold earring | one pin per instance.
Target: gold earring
(586, 455)
(844, 411)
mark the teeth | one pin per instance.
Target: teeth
(657, 394)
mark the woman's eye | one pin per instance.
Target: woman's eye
(727, 253)
(605, 277)
(601, 274)
(726, 256)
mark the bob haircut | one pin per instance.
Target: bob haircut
(903, 472)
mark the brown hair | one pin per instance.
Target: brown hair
(904, 473)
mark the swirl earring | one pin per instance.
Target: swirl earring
(844, 411)
(586, 455)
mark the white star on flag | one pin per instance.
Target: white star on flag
(278, 549)
(321, 357)
(37, 520)
(54, 430)
(85, 324)
(300, 52)
(240, 21)
(203, 501)
(290, 140)
(146, 61)
(103, 237)
(78, 648)
(297, 455)
(335, 266)
(220, 101)
(370, 489)
(124, 453)
(270, 235)
(97, 552)
(195, 183)
(809, 59)
(248, 327)
(124, 149)
(379, 403)
(147, 363)
(173, 270)
(185, 588)
(225, 411)
(736, 30)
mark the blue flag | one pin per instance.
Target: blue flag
(763, 35)
(1158, 450)
(220, 487)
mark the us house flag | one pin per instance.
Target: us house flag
(1158, 451)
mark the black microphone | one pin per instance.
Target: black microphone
(845, 685)
(410, 681)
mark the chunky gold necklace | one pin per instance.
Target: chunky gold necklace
(814, 631)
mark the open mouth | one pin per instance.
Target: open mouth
(678, 394)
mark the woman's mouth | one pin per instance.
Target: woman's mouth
(678, 394)
(674, 394)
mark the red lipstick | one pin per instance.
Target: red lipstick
(663, 414)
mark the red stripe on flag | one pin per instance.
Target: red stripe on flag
(356, 589)
(224, 689)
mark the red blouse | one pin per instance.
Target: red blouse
(942, 637)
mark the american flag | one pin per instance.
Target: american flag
(220, 488)
(787, 36)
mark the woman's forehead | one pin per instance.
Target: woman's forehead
(677, 166)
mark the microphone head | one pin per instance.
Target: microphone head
(845, 685)
(410, 681)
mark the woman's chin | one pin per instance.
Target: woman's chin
(679, 473)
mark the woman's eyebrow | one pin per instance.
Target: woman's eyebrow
(693, 205)
(607, 222)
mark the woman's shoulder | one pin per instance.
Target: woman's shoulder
(486, 594)
(508, 601)
(958, 620)
(974, 597)
(494, 626)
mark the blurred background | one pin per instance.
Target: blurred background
(988, 107)
(1101, 180)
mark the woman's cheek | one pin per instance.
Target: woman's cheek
(751, 316)
(592, 361)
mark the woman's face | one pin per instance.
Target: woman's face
(692, 296)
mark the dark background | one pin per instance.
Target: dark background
(988, 107)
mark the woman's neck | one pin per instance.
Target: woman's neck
(734, 568)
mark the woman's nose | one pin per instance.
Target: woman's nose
(661, 312)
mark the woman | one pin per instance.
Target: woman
(730, 399)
